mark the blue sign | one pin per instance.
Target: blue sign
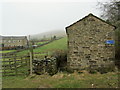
(110, 42)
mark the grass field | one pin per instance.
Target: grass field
(63, 80)
(60, 44)
(7, 51)
(39, 43)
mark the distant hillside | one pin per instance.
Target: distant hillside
(58, 33)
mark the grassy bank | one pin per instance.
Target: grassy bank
(63, 80)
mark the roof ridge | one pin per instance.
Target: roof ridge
(90, 14)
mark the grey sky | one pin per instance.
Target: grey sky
(32, 17)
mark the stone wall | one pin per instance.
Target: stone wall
(87, 43)
(47, 65)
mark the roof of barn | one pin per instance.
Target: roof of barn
(88, 16)
(14, 37)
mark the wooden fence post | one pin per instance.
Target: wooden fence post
(26, 60)
(15, 64)
(31, 55)
(31, 59)
(4, 66)
(10, 63)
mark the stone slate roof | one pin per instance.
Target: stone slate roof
(93, 16)
(13, 37)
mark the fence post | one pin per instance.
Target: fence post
(10, 63)
(4, 65)
(31, 56)
(26, 60)
(15, 64)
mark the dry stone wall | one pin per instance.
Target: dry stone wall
(47, 65)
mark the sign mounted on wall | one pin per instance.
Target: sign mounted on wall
(110, 42)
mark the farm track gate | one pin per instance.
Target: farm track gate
(13, 65)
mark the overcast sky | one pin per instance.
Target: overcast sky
(24, 17)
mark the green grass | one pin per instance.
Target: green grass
(23, 52)
(60, 44)
(63, 80)
(21, 70)
(39, 43)
(7, 51)
(55, 45)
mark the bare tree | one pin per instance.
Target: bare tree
(111, 11)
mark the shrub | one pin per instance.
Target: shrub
(61, 57)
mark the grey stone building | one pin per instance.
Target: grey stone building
(90, 43)
(13, 41)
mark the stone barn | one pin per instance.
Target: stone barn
(90, 43)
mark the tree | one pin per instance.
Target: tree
(111, 11)
(54, 37)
